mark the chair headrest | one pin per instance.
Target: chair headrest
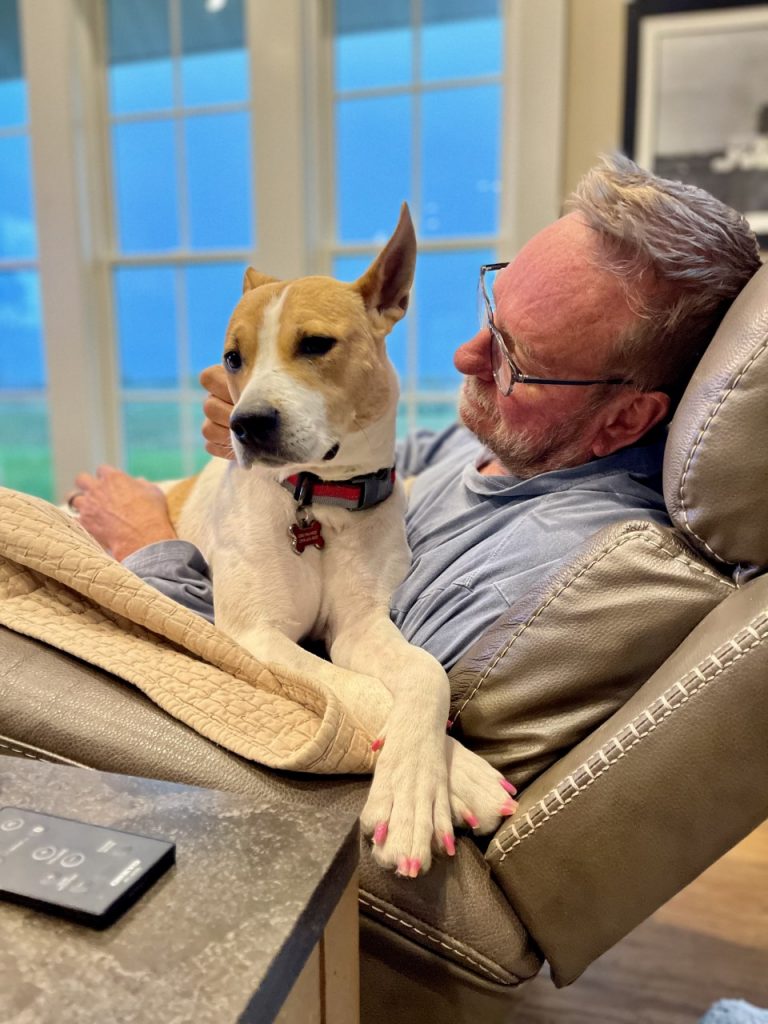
(716, 460)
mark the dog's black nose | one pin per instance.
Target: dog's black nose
(257, 430)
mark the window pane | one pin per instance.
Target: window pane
(214, 68)
(373, 159)
(460, 160)
(25, 448)
(460, 38)
(152, 433)
(146, 327)
(144, 161)
(22, 363)
(212, 294)
(13, 91)
(17, 224)
(218, 152)
(139, 48)
(373, 44)
(447, 310)
(436, 415)
(349, 268)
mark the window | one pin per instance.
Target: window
(178, 141)
(183, 221)
(417, 105)
(25, 454)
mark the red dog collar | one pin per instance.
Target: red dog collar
(357, 493)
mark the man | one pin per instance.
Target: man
(591, 334)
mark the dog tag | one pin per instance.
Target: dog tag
(305, 532)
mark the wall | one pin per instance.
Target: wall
(594, 101)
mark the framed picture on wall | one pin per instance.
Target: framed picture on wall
(697, 97)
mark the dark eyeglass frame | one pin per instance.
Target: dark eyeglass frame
(518, 377)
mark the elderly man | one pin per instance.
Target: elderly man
(590, 336)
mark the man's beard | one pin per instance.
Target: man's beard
(524, 454)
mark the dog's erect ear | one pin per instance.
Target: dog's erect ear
(386, 283)
(253, 279)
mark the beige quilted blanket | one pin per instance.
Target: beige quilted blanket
(58, 586)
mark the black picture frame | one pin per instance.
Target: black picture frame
(703, 58)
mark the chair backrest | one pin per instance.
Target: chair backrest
(716, 461)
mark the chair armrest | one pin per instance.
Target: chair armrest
(663, 788)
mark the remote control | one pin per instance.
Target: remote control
(87, 873)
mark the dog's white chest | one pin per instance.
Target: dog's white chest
(246, 535)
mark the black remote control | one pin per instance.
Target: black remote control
(86, 873)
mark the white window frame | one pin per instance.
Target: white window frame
(290, 49)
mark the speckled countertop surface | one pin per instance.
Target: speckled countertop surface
(219, 938)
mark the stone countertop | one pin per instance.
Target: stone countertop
(220, 937)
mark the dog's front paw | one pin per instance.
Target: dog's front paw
(408, 813)
(480, 795)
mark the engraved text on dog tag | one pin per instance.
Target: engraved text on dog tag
(306, 532)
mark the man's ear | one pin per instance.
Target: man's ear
(387, 282)
(628, 420)
(253, 279)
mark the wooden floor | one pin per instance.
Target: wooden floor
(710, 942)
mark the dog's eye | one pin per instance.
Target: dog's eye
(315, 345)
(232, 359)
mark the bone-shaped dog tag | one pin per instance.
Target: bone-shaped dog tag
(305, 532)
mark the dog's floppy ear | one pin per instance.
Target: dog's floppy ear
(253, 279)
(386, 283)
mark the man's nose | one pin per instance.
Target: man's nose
(473, 357)
(257, 430)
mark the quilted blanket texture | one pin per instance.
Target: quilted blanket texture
(57, 585)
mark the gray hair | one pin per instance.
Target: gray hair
(682, 256)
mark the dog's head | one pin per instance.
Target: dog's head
(307, 359)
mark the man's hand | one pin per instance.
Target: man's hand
(122, 512)
(217, 408)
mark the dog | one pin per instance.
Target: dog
(304, 533)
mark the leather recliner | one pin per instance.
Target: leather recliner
(607, 695)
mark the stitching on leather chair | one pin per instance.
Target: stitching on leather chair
(619, 745)
(39, 755)
(502, 653)
(502, 978)
(700, 437)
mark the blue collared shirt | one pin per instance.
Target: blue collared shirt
(479, 542)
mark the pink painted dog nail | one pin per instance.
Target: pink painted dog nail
(508, 786)
(471, 820)
(377, 744)
(403, 866)
(509, 808)
(414, 867)
(450, 844)
(380, 833)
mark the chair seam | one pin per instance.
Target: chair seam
(699, 438)
(51, 759)
(439, 942)
(671, 699)
(503, 651)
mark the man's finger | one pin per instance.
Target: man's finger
(214, 380)
(106, 470)
(84, 481)
(218, 411)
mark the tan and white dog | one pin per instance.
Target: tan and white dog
(315, 401)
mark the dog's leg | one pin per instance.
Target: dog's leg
(406, 810)
(475, 796)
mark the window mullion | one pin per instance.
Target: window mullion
(61, 44)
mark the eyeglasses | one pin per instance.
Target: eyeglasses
(506, 372)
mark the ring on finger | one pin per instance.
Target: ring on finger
(71, 499)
